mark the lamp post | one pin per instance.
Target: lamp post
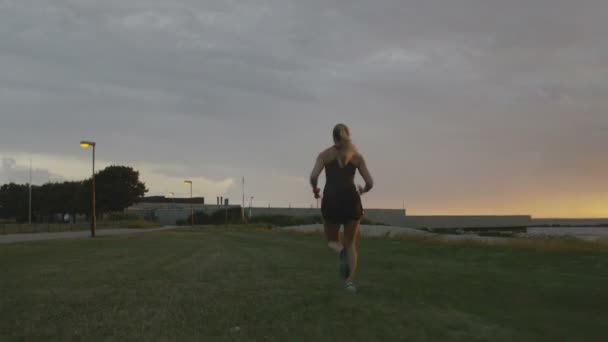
(87, 144)
(30, 197)
(191, 207)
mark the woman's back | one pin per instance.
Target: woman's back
(340, 178)
(341, 201)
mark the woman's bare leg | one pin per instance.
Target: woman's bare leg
(332, 233)
(349, 242)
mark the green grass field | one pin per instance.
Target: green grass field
(201, 284)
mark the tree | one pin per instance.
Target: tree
(14, 201)
(117, 188)
(76, 203)
(52, 199)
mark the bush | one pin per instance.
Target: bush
(369, 222)
(219, 217)
(287, 221)
(122, 217)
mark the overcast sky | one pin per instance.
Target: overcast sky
(459, 106)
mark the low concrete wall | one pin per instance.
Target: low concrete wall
(463, 222)
(296, 212)
(393, 217)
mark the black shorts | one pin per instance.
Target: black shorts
(341, 207)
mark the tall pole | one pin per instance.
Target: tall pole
(191, 205)
(87, 144)
(30, 196)
(243, 204)
(94, 219)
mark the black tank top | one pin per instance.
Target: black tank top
(339, 179)
(341, 201)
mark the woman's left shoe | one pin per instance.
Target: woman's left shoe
(350, 287)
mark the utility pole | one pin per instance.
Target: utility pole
(189, 182)
(243, 203)
(30, 196)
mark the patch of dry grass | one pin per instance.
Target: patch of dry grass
(540, 244)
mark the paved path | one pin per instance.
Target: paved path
(14, 238)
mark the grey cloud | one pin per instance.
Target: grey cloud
(226, 87)
(10, 171)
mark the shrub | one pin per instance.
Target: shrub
(287, 221)
(122, 217)
(219, 217)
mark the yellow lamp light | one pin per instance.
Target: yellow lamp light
(86, 144)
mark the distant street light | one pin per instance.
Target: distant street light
(87, 144)
(172, 195)
(191, 207)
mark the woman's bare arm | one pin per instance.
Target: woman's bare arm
(316, 171)
(367, 177)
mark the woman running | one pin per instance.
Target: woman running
(341, 203)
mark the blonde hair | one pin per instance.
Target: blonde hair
(342, 141)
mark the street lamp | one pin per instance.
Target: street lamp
(171, 195)
(191, 207)
(87, 144)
